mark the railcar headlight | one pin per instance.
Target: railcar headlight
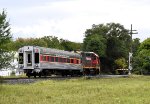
(36, 65)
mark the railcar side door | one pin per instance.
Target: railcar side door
(28, 57)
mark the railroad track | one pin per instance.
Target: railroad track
(26, 80)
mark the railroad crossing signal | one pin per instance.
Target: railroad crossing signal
(130, 63)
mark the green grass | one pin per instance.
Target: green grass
(13, 76)
(132, 90)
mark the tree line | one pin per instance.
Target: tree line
(110, 41)
(46, 41)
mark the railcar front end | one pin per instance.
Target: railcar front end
(90, 63)
(29, 60)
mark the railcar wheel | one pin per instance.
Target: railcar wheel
(28, 75)
(45, 72)
(97, 72)
(34, 74)
(40, 74)
(62, 73)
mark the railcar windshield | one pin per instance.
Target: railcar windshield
(93, 57)
(88, 55)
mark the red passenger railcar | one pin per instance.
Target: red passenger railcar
(41, 61)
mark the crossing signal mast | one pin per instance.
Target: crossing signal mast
(131, 32)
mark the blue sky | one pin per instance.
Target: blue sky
(68, 19)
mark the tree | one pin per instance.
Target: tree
(70, 46)
(135, 45)
(5, 38)
(46, 41)
(95, 43)
(20, 42)
(117, 41)
(116, 38)
(52, 42)
(141, 62)
(116, 48)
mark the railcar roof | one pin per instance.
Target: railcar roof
(56, 51)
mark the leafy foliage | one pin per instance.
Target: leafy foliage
(95, 44)
(141, 62)
(5, 38)
(20, 42)
(135, 45)
(70, 46)
(47, 41)
(121, 63)
(52, 42)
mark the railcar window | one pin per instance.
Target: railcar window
(52, 59)
(56, 59)
(77, 61)
(44, 58)
(36, 57)
(88, 55)
(41, 58)
(68, 60)
(72, 61)
(49, 58)
(61, 59)
(64, 60)
(20, 58)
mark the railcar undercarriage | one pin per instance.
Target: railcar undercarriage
(47, 72)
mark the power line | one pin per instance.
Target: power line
(131, 32)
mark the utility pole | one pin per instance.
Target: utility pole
(131, 50)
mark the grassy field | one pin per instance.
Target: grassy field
(132, 90)
(13, 76)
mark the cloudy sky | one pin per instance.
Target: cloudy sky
(68, 19)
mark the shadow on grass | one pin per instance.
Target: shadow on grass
(2, 80)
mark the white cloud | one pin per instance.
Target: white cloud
(69, 19)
